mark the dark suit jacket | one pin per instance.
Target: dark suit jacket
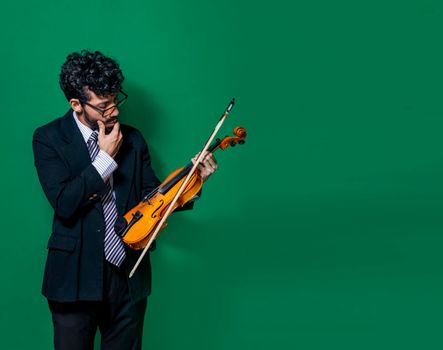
(74, 266)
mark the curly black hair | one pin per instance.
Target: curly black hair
(90, 70)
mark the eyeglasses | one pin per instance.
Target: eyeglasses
(118, 101)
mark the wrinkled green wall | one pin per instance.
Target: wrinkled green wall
(323, 231)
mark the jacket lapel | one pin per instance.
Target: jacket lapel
(75, 148)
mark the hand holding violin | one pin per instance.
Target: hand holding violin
(207, 166)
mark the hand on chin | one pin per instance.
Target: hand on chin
(109, 126)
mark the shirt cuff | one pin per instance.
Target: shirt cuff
(104, 164)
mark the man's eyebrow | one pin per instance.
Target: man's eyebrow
(105, 102)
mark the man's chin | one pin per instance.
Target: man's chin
(110, 126)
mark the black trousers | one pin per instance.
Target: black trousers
(119, 319)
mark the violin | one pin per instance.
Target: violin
(145, 217)
(148, 218)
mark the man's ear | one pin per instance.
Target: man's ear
(76, 105)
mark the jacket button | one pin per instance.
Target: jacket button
(93, 197)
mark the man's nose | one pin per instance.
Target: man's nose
(114, 113)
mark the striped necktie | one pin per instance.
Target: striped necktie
(114, 249)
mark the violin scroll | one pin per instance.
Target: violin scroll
(239, 138)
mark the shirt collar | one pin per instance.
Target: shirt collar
(85, 131)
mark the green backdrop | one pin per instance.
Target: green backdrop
(324, 231)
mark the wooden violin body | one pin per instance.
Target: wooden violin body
(150, 211)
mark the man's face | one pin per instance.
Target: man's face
(90, 113)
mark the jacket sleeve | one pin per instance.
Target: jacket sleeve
(66, 193)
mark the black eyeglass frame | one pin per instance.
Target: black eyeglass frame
(109, 110)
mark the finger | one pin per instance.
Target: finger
(115, 129)
(194, 159)
(211, 165)
(214, 163)
(101, 128)
(208, 162)
(211, 160)
(206, 154)
(205, 173)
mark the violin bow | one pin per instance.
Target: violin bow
(183, 186)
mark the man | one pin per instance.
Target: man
(92, 170)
